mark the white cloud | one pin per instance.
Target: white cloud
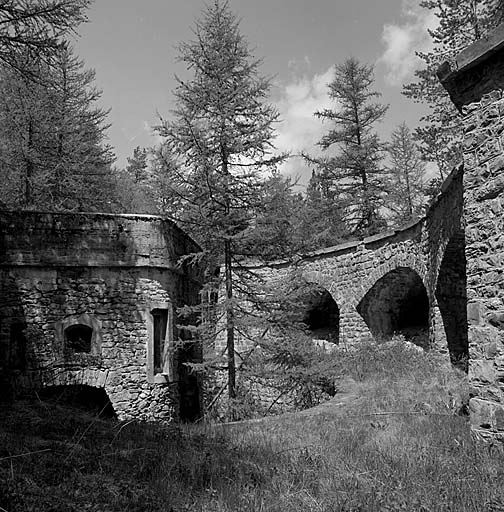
(402, 40)
(300, 130)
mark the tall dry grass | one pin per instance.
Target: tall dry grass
(398, 444)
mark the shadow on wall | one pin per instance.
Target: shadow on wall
(451, 295)
(13, 342)
(90, 399)
(397, 304)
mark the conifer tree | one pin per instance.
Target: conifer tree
(321, 217)
(34, 29)
(461, 23)
(221, 134)
(53, 134)
(137, 165)
(354, 175)
(407, 170)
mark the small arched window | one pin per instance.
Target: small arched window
(78, 338)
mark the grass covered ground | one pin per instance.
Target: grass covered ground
(390, 441)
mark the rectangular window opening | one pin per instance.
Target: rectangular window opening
(160, 317)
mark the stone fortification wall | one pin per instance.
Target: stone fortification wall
(91, 300)
(372, 281)
(400, 282)
(476, 87)
(350, 270)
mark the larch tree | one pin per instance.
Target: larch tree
(35, 29)
(54, 137)
(460, 23)
(354, 174)
(221, 133)
(321, 218)
(407, 177)
(136, 189)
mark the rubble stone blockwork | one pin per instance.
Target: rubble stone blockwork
(89, 299)
(444, 274)
(476, 87)
(402, 281)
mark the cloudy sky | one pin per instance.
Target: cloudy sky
(132, 46)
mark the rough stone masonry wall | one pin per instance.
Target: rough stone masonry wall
(385, 266)
(476, 87)
(391, 282)
(108, 273)
(349, 271)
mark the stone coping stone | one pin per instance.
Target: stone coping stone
(475, 54)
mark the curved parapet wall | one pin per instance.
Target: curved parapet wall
(91, 299)
(399, 269)
(410, 281)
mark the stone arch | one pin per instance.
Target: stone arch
(321, 314)
(404, 257)
(451, 297)
(397, 303)
(91, 398)
(72, 377)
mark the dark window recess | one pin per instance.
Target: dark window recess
(160, 317)
(17, 355)
(78, 338)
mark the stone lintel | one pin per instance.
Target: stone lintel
(469, 81)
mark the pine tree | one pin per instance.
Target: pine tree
(137, 186)
(407, 170)
(354, 175)
(222, 134)
(460, 23)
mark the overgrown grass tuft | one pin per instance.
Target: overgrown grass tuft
(393, 439)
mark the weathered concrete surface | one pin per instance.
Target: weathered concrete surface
(104, 274)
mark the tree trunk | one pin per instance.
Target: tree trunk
(29, 167)
(230, 320)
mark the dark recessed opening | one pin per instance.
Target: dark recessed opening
(88, 398)
(160, 317)
(17, 346)
(189, 385)
(321, 315)
(78, 338)
(397, 304)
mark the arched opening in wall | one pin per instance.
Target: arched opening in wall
(451, 295)
(91, 399)
(78, 338)
(321, 314)
(397, 304)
